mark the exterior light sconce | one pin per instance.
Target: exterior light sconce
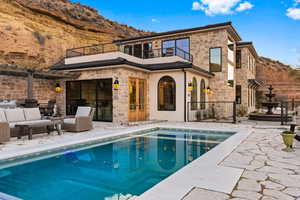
(190, 86)
(116, 84)
(208, 91)
(58, 88)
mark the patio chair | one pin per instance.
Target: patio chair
(83, 120)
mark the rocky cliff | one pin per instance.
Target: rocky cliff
(284, 79)
(37, 32)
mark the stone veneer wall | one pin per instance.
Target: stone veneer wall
(243, 74)
(15, 88)
(120, 96)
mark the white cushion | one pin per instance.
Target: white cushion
(13, 124)
(14, 115)
(32, 114)
(83, 111)
(2, 116)
(70, 121)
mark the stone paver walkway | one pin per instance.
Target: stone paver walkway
(270, 173)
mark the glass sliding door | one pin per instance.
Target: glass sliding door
(94, 93)
(104, 100)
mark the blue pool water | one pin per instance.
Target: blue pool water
(122, 168)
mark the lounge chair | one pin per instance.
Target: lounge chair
(83, 120)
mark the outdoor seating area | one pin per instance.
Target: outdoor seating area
(19, 122)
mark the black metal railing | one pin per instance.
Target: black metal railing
(146, 54)
(92, 50)
(167, 52)
(288, 110)
(212, 111)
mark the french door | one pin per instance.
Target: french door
(137, 109)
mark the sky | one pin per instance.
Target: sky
(272, 25)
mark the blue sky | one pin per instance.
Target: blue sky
(273, 25)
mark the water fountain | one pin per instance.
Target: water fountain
(270, 105)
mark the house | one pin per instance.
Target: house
(180, 75)
(246, 83)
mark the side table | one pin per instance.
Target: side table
(4, 132)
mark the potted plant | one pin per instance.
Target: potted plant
(288, 140)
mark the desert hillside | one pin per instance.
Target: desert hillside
(37, 32)
(282, 77)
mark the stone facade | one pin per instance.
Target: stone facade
(243, 74)
(120, 96)
(15, 88)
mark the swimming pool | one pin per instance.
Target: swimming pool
(118, 169)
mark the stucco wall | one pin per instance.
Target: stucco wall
(177, 115)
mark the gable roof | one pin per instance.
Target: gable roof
(122, 61)
(248, 45)
(201, 28)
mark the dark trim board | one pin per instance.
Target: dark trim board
(120, 61)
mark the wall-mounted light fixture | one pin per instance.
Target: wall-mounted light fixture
(58, 88)
(116, 84)
(190, 86)
(208, 90)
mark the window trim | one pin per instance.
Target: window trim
(221, 64)
(166, 110)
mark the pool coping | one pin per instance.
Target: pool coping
(177, 185)
(216, 177)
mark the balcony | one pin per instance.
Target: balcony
(112, 50)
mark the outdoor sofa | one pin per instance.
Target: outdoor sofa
(22, 116)
(83, 120)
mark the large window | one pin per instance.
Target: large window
(215, 59)
(166, 94)
(139, 50)
(147, 50)
(238, 91)
(178, 47)
(202, 95)
(194, 95)
(238, 59)
(128, 50)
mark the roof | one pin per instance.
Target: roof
(201, 28)
(120, 61)
(249, 45)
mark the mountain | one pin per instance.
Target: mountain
(37, 32)
(284, 79)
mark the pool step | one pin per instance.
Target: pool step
(8, 197)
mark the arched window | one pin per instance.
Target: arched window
(166, 94)
(194, 95)
(202, 94)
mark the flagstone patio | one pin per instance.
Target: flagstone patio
(269, 174)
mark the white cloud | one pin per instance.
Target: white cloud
(196, 6)
(223, 7)
(154, 20)
(244, 6)
(293, 13)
